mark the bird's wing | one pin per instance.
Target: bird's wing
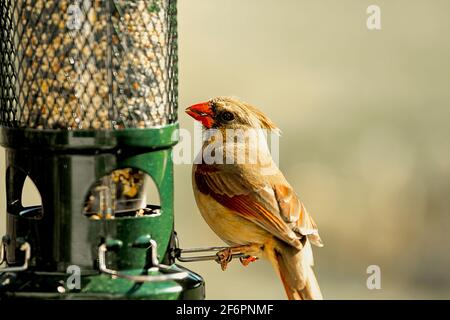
(293, 211)
(255, 198)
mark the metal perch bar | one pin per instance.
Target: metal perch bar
(180, 252)
(24, 247)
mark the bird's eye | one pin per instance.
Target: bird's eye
(227, 116)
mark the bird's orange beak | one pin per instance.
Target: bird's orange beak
(202, 112)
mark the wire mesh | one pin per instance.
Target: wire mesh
(88, 64)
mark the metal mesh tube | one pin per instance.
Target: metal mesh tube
(88, 64)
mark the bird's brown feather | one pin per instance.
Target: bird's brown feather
(275, 208)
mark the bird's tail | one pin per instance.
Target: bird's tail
(295, 270)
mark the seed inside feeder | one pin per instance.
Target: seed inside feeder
(106, 59)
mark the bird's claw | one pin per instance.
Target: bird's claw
(224, 257)
(247, 260)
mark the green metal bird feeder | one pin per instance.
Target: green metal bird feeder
(88, 112)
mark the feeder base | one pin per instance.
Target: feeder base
(57, 286)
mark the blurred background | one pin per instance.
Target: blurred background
(365, 141)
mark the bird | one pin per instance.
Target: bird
(249, 204)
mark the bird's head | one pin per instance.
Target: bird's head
(229, 113)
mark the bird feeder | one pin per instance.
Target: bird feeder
(88, 112)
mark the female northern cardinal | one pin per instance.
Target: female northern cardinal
(250, 205)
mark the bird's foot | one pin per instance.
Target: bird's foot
(249, 254)
(247, 260)
(224, 257)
